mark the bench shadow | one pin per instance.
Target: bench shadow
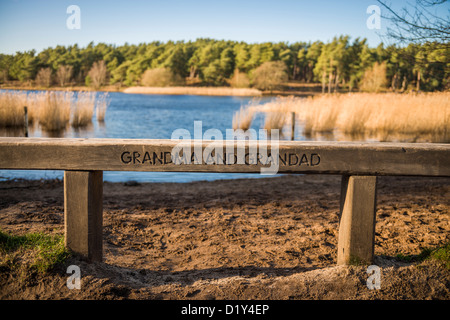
(112, 281)
(144, 277)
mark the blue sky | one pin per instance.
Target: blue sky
(32, 24)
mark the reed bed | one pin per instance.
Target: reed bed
(382, 116)
(275, 120)
(33, 103)
(101, 106)
(243, 118)
(12, 109)
(83, 109)
(52, 110)
(277, 113)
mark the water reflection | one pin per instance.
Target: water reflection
(135, 116)
(36, 131)
(54, 134)
(138, 116)
(320, 136)
(395, 137)
(336, 135)
(81, 132)
(12, 132)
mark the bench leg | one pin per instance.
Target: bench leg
(83, 213)
(357, 220)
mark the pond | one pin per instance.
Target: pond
(140, 116)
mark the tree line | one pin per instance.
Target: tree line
(341, 63)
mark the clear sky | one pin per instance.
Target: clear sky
(32, 24)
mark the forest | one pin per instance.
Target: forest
(340, 64)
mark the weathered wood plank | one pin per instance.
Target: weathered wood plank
(357, 220)
(83, 213)
(294, 157)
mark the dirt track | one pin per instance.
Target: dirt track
(272, 238)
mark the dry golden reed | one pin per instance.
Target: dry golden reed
(101, 106)
(381, 115)
(53, 110)
(12, 109)
(275, 120)
(83, 109)
(243, 118)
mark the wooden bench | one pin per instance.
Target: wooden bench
(84, 160)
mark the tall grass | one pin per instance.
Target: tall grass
(419, 116)
(243, 118)
(53, 111)
(101, 106)
(12, 109)
(33, 102)
(83, 109)
(275, 120)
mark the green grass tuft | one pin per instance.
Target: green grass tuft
(44, 251)
(441, 254)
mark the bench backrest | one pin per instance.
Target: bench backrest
(347, 158)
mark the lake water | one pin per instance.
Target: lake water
(139, 116)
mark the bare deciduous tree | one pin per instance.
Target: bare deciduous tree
(374, 79)
(239, 80)
(98, 74)
(419, 21)
(44, 77)
(63, 75)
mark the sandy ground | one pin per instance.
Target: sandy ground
(272, 238)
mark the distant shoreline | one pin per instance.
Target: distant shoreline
(72, 88)
(296, 90)
(185, 90)
(207, 91)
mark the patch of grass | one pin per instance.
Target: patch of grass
(424, 254)
(441, 254)
(36, 251)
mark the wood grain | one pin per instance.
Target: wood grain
(348, 158)
(83, 213)
(357, 220)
